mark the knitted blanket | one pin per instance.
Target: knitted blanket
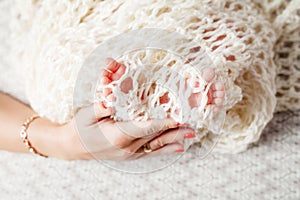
(51, 40)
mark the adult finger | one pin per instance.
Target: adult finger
(91, 113)
(171, 136)
(146, 129)
(167, 149)
(101, 111)
(167, 137)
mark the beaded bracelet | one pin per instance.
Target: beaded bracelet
(24, 135)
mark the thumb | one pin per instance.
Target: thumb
(101, 110)
(92, 113)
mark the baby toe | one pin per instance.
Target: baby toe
(112, 65)
(219, 94)
(126, 85)
(194, 100)
(111, 98)
(216, 109)
(107, 91)
(105, 80)
(208, 74)
(164, 99)
(121, 70)
(218, 101)
(218, 86)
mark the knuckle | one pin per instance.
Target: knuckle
(159, 142)
(120, 142)
(168, 125)
(151, 131)
(129, 150)
(124, 154)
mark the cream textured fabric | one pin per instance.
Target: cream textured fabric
(155, 80)
(51, 40)
(288, 73)
(285, 15)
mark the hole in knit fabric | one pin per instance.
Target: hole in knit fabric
(249, 41)
(163, 10)
(117, 8)
(285, 88)
(261, 55)
(206, 38)
(208, 30)
(297, 67)
(257, 28)
(220, 37)
(214, 48)
(283, 55)
(194, 50)
(194, 19)
(227, 4)
(89, 12)
(194, 27)
(278, 94)
(283, 77)
(237, 7)
(288, 44)
(230, 58)
(286, 68)
(216, 20)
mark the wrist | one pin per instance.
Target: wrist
(73, 146)
(45, 137)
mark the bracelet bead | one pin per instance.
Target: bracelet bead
(24, 135)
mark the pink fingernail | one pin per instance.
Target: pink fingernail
(179, 124)
(179, 150)
(189, 135)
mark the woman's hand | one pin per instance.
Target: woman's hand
(87, 138)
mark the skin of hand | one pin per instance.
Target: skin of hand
(43, 134)
(88, 138)
(85, 137)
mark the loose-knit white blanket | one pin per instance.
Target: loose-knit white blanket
(248, 42)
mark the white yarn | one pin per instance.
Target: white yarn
(285, 16)
(155, 73)
(51, 40)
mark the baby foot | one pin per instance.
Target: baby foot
(215, 95)
(113, 72)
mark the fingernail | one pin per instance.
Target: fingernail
(179, 150)
(189, 135)
(184, 124)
